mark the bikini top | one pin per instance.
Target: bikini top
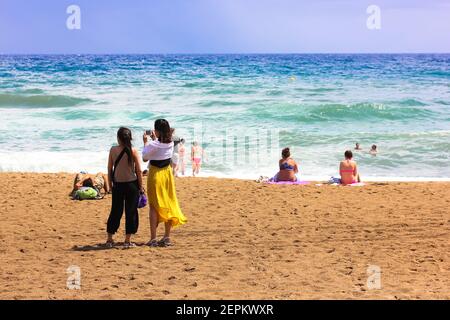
(286, 166)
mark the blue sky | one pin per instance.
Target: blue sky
(224, 26)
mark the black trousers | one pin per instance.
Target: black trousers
(124, 193)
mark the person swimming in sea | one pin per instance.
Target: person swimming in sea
(288, 168)
(348, 169)
(358, 147)
(374, 150)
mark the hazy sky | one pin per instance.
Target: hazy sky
(224, 26)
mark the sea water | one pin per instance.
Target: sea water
(61, 112)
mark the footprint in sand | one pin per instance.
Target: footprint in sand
(189, 269)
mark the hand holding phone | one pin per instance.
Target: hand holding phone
(145, 136)
(149, 133)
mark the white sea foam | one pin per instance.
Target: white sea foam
(319, 115)
(92, 162)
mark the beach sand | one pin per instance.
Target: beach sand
(244, 240)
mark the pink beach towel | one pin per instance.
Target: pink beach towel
(289, 182)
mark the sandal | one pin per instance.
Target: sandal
(152, 243)
(109, 244)
(128, 245)
(165, 242)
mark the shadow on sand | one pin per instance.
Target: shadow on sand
(103, 246)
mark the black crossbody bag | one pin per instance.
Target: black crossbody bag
(116, 163)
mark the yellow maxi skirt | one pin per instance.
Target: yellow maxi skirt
(162, 195)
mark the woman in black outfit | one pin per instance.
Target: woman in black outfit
(125, 179)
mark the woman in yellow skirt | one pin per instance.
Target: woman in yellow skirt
(162, 197)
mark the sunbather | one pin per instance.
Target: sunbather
(348, 169)
(288, 168)
(98, 182)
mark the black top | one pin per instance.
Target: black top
(160, 163)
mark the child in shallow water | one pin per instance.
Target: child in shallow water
(197, 155)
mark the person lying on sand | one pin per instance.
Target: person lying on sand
(348, 169)
(98, 182)
(288, 168)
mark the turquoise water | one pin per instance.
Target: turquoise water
(61, 113)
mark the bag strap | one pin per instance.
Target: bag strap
(116, 163)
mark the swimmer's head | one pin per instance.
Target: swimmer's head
(374, 147)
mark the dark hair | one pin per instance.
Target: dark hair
(374, 146)
(182, 141)
(165, 132)
(88, 183)
(124, 136)
(286, 153)
(348, 154)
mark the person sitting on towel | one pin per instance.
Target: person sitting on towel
(288, 168)
(348, 169)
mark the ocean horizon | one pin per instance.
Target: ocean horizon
(60, 113)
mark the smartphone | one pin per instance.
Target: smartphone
(148, 132)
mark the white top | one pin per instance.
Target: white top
(155, 150)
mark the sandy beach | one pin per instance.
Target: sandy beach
(244, 240)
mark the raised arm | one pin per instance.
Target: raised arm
(148, 150)
(147, 153)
